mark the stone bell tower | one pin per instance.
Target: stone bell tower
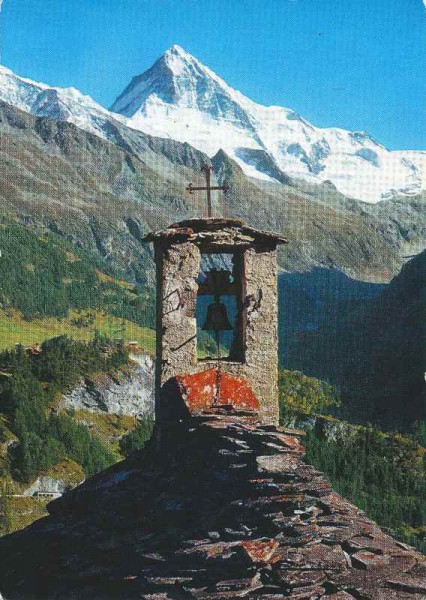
(217, 308)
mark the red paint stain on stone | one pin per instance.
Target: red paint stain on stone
(214, 388)
(260, 551)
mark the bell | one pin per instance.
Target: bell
(217, 317)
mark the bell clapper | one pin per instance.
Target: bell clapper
(217, 394)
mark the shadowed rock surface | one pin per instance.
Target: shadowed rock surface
(216, 507)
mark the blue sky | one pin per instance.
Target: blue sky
(357, 64)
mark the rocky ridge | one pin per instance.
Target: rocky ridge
(215, 507)
(130, 394)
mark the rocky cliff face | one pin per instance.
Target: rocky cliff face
(46, 486)
(131, 393)
(217, 507)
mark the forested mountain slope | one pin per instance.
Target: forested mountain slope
(377, 352)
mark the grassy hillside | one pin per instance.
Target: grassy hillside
(18, 511)
(78, 325)
(49, 287)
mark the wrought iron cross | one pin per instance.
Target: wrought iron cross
(208, 188)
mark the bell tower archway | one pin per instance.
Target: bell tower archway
(220, 307)
(217, 303)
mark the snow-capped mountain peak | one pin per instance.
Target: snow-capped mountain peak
(180, 98)
(177, 59)
(178, 79)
